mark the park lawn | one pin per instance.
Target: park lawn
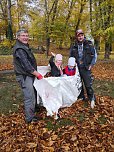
(11, 96)
(80, 128)
(6, 61)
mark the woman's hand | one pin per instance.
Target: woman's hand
(53, 54)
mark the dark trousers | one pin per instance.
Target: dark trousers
(26, 84)
(87, 82)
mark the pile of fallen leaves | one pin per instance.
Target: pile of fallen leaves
(6, 63)
(104, 70)
(80, 129)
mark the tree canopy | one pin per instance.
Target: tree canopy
(57, 20)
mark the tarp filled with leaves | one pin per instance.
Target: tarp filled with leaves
(57, 92)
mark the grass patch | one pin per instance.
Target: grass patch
(81, 117)
(64, 122)
(102, 120)
(101, 56)
(51, 125)
(104, 87)
(10, 94)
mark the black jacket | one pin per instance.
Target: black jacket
(89, 53)
(55, 72)
(23, 59)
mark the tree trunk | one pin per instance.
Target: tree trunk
(9, 29)
(91, 18)
(107, 50)
(47, 46)
(72, 4)
(106, 25)
(9, 34)
(60, 44)
(97, 44)
(80, 14)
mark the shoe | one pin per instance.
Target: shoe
(80, 99)
(92, 104)
(57, 116)
(34, 120)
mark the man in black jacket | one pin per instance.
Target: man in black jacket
(85, 55)
(25, 68)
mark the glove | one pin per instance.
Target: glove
(40, 77)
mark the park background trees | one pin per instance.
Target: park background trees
(55, 22)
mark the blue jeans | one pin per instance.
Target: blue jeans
(26, 84)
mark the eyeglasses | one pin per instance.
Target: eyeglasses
(23, 35)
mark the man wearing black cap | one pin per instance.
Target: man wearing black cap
(85, 55)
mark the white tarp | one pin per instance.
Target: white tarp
(57, 92)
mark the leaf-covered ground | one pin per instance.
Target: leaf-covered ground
(80, 129)
(104, 70)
